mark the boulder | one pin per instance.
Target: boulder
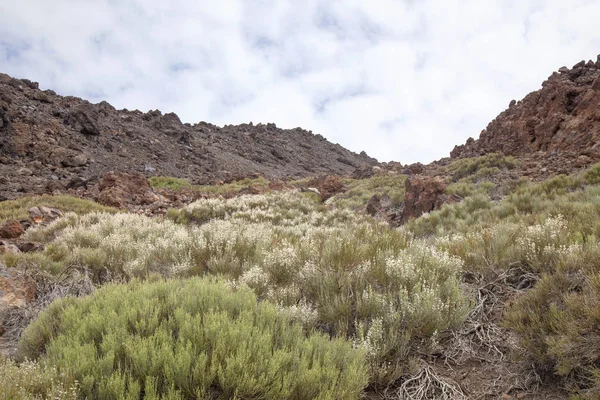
(44, 215)
(11, 230)
(328, 186)
(78, 160)
(15, 290)
(84, 119)
(123, 189)
(422, 195)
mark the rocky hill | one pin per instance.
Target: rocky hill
(49, 142)
(560, 121)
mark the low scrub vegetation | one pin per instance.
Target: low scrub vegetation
(168, 182)
(478, 168)
(331, 270)
(30, 380)
(234, 187)
(360, 191)
(18, 209)
(190, 339)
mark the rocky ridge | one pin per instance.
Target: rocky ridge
(50, 142)
(556, 127)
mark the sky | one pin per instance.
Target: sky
(403, 80)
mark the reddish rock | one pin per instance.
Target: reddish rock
(11, 230)
(562, 117)
(123, 189)
(413, 169)
(423, 194)
(328, 186)
(16, 290)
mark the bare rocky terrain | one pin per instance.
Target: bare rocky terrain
(556, 128)
(50, 142)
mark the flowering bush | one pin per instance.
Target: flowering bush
(332, 270)
(33, 381)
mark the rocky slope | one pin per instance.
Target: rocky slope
(50, 142)
(559, 122)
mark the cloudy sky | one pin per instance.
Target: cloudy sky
(403, 80)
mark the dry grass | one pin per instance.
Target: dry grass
(18, 209)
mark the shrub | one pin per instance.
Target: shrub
(557, 321)
(360, 191)
(19, 209)
(592, 175)
(481, 167)
(233, 187)
(334, 270)
(168, 182)
(32, 381)
(190, 339)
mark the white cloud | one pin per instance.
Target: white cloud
(403, 80)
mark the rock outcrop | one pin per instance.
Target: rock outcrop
(563, 118)
(423, 194)
(50, 143)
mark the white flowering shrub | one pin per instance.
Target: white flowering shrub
(332, 270)
(30, 380)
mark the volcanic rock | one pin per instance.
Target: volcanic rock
(89, 140)
(562, 117)
(123, 189)
(11, 230)
(423, 194)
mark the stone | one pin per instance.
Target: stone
(84, 119)
(44, 215)
(11, 230)
(328, 186)
(75, 161)
(563, 70)
(16, 290)
(8, 248)
(422, 195)
(596, 84)
(123, 189)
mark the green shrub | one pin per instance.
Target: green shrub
(233, 187)
(168, 182)
(190, 339)
(19, 209)
(481, 167)
(360, 191)
(592, 176)
(335, 270)
(557, 321)
(32, 381)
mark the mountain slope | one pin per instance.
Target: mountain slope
(561, 117)
(49, 138)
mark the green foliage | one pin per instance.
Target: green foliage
(331, 269)
(168, 182)
(30, 381)
(592, 176)
(360, 191)
(481, 167)
(18, 209)
(557, 321)
(190, 338)
(233, 187)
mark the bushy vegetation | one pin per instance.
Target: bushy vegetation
(233, 187)
(478, 168)
(332, 270)
(18, 209)
(395, 294)
(168, 182)
(361, 190)
(30, 381)
(190, 339)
